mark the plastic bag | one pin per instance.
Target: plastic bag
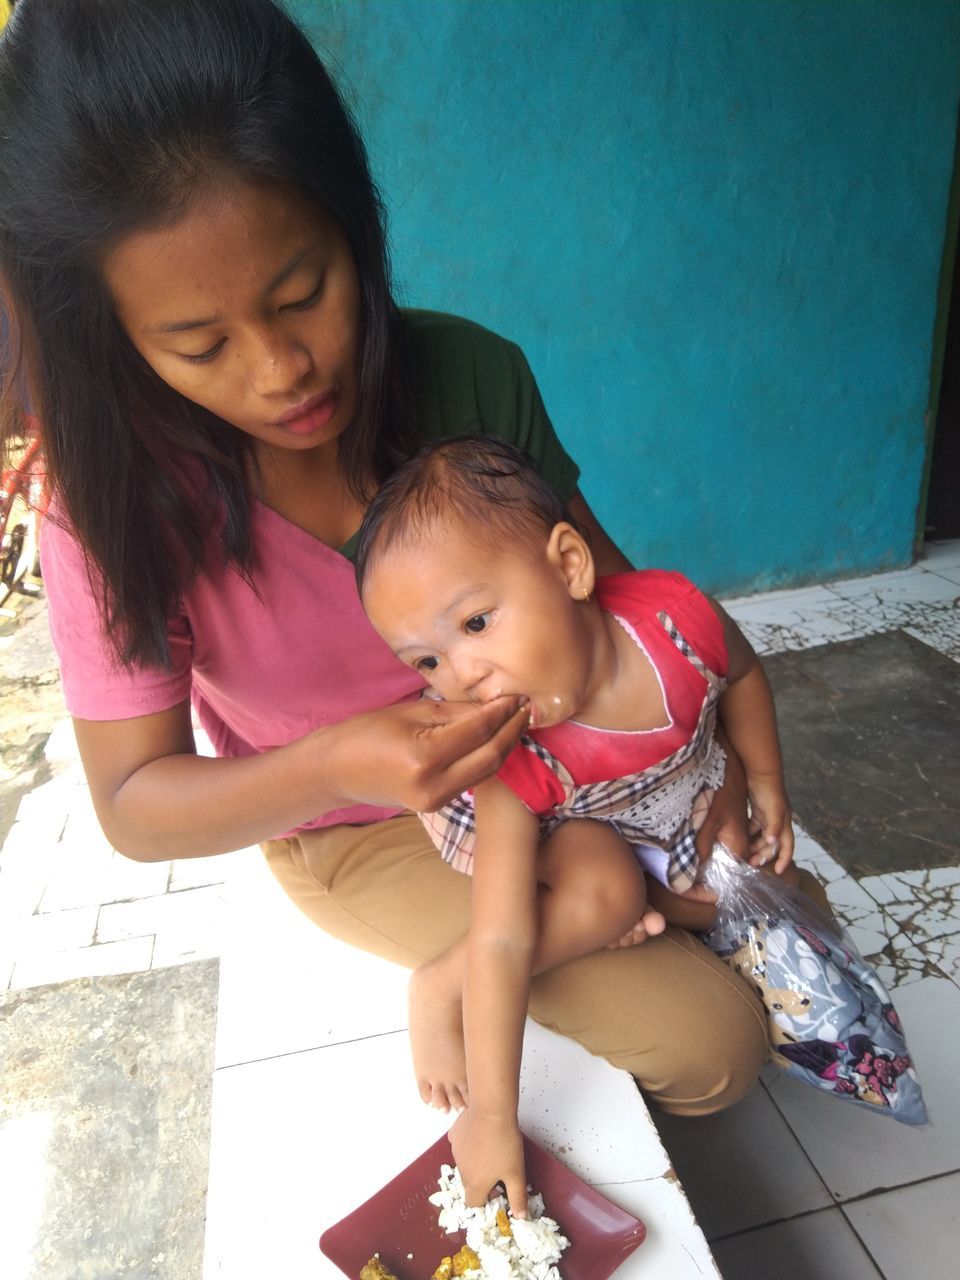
(830, 1019)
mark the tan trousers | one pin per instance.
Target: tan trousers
(669, 1012)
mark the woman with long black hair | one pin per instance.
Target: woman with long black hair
(193, 255)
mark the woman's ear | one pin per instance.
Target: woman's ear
(568, 551)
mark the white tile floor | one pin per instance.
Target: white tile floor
(311, 1051)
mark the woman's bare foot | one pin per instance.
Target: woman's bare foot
(436, 1037)
(648, 926)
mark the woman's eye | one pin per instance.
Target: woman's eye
(304, 304)
(426, 664)
(204, 356)
(477, 623)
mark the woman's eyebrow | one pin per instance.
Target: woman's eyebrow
(285, 272)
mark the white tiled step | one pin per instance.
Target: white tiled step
(300, 1141)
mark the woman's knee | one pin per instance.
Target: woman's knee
(723, 1072)
(669, 1012)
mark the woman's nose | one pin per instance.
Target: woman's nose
(279, 364)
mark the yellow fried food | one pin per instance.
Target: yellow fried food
(444, 1271)
(373, 1269)
(503, 1223)
(465, 1260)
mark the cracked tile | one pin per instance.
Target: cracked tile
(945, 954)
(869, 929)
(925, 906)
(902, 587)
(937, 626)
(899, 964)
(783, 621)
(808, 853)
(921, 922)
(927, 887)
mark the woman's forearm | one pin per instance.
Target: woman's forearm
(157, 799)
(186, 806)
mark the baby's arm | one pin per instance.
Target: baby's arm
(500, 949)
(747, 712)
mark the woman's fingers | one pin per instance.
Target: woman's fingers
(418, 755)
(472, 746)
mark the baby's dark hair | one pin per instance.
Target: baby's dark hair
(479, 482)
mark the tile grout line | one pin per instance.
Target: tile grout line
(314, 1048)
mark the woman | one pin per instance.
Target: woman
(194, 254)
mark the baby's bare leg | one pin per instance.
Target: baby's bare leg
(436, 1029)
(592, 891)
(696, 910)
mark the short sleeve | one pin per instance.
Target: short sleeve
(95, 685)
(699, 624)
(532, 780)
(649, 592)
(468, 379)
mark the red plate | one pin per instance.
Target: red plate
(400, 1219)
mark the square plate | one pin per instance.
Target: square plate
(400, 1219)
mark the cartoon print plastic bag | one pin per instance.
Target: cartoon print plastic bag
(831, 1022)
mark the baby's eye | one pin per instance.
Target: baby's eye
(425, 664)
(477, 623)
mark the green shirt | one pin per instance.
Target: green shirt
(468, 381)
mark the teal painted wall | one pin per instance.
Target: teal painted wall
(715, 226)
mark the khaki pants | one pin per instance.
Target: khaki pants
(669, 1012)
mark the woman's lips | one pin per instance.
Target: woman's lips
(312, 415)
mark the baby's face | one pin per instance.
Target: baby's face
(477, 621)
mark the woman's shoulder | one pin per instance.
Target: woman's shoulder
(467, 379)
(436, 336)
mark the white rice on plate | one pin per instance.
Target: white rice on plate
(531, 1253)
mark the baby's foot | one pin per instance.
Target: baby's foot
(648, 926)
(436, 1038)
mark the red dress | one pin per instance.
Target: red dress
(652, 785)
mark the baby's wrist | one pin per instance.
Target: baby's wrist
(766, 778)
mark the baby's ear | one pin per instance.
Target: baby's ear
(568, 551)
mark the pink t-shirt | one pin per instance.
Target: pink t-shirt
(262, 667)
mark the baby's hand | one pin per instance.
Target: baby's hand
(771, 828)
(488, 1150)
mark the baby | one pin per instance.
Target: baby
(475, 575)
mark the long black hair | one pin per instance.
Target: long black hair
(113, 115)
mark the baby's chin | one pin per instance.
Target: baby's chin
(547, 712)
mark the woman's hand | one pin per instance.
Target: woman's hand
(488, 1150)
(418, 755)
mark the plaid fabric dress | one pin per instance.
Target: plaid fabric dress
(662, 805)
